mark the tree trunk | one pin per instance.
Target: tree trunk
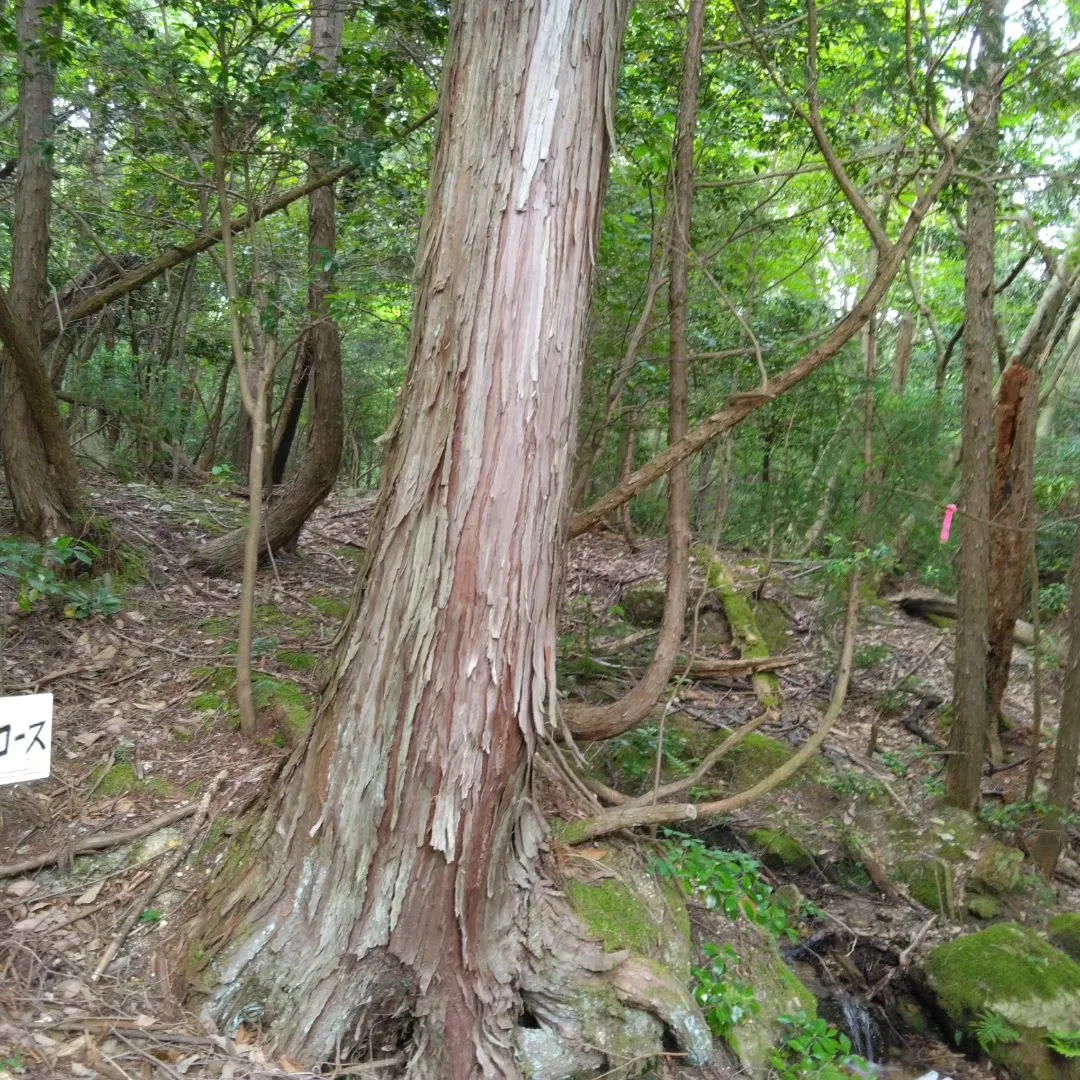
(1016, 417)
(1063, 775)
(38, 463)
(393, 888)
(967, 738)
(905, 336)
(320, 353)
(605, 721)
(292, 406)
(1012, 512)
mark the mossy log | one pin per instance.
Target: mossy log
(740, 616)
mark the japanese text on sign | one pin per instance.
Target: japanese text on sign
(25, 737)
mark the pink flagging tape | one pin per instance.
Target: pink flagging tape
(946, 525)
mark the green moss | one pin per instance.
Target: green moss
(122, 779)
(269, 615)
(330, 606)
(297, 661)
(613, 914)
(998, 870)
(217, 627)
(983, 907)
(353, 554)
(1006, 968)
(208, 701)
(1065, 933)
(644, 604)
(930, 881)
(780, 850)
(753, 759)
(279, 694)
(118, 780)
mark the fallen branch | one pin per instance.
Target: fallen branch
(734, 669)
(98, 843)
(944, 607)
(142, 902)
(628, 816)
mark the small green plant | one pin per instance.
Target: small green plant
(990, 1030)
(14, 1062)
(812, 1047)
(870, 656)
(633, 755)
(726, 881)
(1052, 599)
(222, 474)
(852, 782)
(48, 572)
(724, 1000)
(150, 916)
(1065, 1043)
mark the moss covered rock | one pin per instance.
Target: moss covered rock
(780, 850)
(777, 990)
(983, 907)
(644, 603)
(1009, 974)
(997, 870)
(1065, 934)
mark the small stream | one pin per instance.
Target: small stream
(879, 1029)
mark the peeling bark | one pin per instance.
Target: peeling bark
(394, 891)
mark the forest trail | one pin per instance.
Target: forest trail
(144, 721)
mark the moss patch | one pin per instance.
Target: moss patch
(1011, 973)
(1065, 933)
(997, 870)
(118, 780)
(983, 907)
(330, 606)
(209, 701)
(613, 914)
(291, 704)
(780, 850)
(753, 759)
(297, 661)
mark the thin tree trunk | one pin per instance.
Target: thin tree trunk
(967, 739)
(627, 468)
(320, 353)
(292, 405)
(394, 872)
(604, 721)
(1063, 775)
(38, 463)
(1012, 507)
(905, 335)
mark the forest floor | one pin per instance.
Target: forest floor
(144, 722)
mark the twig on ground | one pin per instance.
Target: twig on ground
(143, 901)
(98, 842)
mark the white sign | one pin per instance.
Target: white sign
(25, 737)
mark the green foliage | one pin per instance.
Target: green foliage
(1065, 1043)
(725, 1000)
(632, 756)
(813, 1048)
(150, 916)
(726, 881)
(57, 571)
(991, 1030)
